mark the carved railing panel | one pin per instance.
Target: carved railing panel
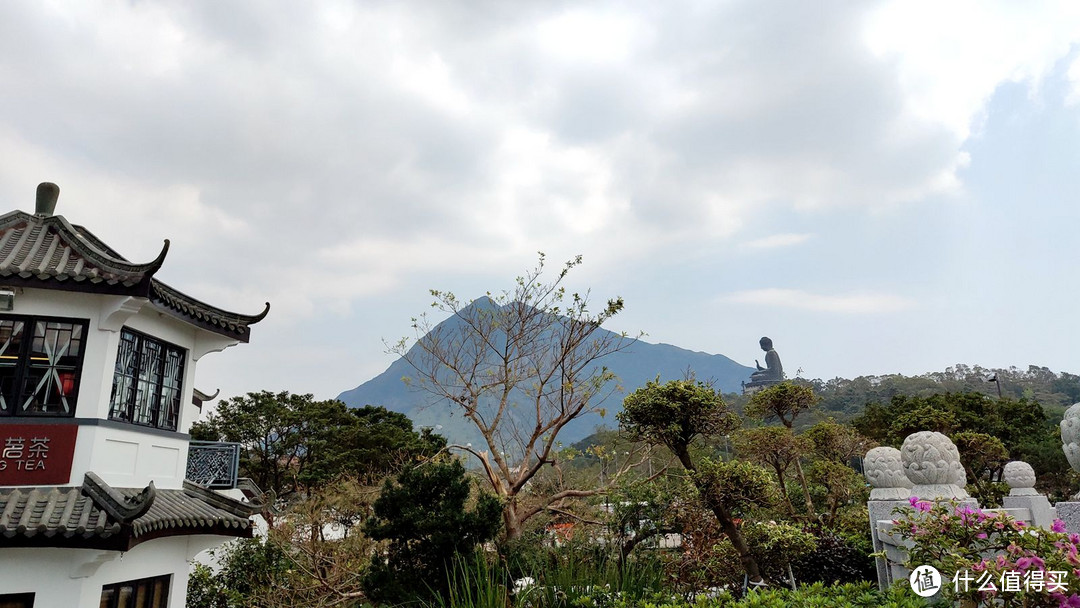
(213, 464)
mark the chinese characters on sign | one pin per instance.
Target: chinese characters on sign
(925, 581)
(36, 454)
(1012, 581)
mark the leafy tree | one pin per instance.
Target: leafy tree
(983, 456)
(292, 443)
(773, 446)
(248, 568)
(841, 485)
(640, 511)
(272, 429)
(674, 415)
(382, 442)
(424, 517)
(1055, 391)
(312, 556)
(519, 367)
(837, 442)
(784, 401)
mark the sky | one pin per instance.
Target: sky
(879, 186)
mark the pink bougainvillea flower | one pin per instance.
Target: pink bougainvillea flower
(1030, 562)
(912, 500)
(1059, 527)
(981, 535)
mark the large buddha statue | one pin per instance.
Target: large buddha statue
(773, 370)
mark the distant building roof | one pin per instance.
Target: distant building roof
(46, 251)
(96, 515)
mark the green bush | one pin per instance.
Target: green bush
(248, 568)
(835, 559)
(424, 517)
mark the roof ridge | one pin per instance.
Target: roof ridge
(124, 509)
(89, 248)
(223, 502)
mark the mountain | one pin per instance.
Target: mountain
(635, 366)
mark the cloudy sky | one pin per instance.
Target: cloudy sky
(878, 186)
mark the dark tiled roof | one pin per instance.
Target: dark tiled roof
(48, 252)
(96, 515)
(51, 249)
(214, 319)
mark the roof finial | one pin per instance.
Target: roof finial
(47, 193)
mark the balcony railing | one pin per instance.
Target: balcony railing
(213, 464)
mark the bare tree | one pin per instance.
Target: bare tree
(519, 366)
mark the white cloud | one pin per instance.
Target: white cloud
(952, 56)
(850, 303)
(775, 241)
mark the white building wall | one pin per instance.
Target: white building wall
(73, 578)
(124, 455)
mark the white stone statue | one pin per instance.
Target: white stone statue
(1070, 436)
(932, 463)
(1021, 478)
(884, 470)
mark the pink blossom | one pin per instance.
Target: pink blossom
(981, 535)
(1059, 527)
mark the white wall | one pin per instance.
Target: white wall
(73, 578)
(123, 455)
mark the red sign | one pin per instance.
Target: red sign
(36, 454)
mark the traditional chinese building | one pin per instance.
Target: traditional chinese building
(97, 368)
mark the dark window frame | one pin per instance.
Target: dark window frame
(127, 408)
(23, 366)
(22, 600)
(146, 585)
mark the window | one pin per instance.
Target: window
(40, 365)
(142, 593)
(146, 385)
(16, 600)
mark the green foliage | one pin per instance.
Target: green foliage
(784, 401)
(1009, 420)
(249, 568)
(1022, 426)
(582, 573)
(857, 595)
(424, 517)
(837, 442)
(474, 582)
(776, 545)
(293, 442)
(675, 414)
(845, 398)
(840, 486)
(641, 511)
(983, 456)
(381, 442)
(836, 558)
(739, 485)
